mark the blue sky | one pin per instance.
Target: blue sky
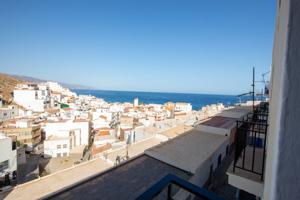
(144, 45)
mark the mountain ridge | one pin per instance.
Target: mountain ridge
(38, 80)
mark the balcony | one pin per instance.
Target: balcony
(247, 170)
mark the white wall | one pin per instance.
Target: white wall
(215, 130)
(282, 177)
(50, 147)
(7, 113)
(6, 153)
(62, 129)
(184, 107)
(202, 173)
(28, 99)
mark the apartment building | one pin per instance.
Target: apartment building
(183, 107)
(63, 135)
(7, 113)
(25, 131)
(32, 96)
(57, 146)
(8, 160)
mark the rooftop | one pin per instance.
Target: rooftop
(134, 149)
(54, 182)
(187, 151)
(176, 131)
(236, 112)
(130, 180)
(52, 137)
(220, 122)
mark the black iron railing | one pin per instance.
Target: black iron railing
(251, 138)
(170, 180)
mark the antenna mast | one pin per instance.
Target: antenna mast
(253, 88)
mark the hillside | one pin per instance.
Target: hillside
(37, 80)
(7, 85)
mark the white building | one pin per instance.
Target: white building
(65, 128)
(64, 135)
(116, 108)
(136, 102)
(57, 146)
(55, 86)
(156, 107)
(8, 113)
(8, 157)
(32, 97)
(100, 123)
(183, 107)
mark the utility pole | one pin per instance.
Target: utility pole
(253, 88)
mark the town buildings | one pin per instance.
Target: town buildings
(25, 131)
(117, 132)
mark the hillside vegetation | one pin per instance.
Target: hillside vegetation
(7, 85)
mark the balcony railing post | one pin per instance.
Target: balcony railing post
(170, 191)
(264, 155)
(169, 180)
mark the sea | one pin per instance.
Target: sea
(197, 100)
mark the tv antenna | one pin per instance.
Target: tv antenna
(253, 89)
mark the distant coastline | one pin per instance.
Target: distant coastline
(197, 100)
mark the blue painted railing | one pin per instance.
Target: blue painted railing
(170, 180)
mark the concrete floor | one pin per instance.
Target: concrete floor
(56, 164)
(258, 160)
(220, 184)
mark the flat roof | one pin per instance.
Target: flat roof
(175, 131)
(220, 122)
(40, 187)
(134, 149)
(54, 137)
(188, 151)
(236, 112)
(126, 181)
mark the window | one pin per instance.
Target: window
(65, 154)
(58, 146)
(3, 165)
(58, 155)
(14, 145)
(65, 146)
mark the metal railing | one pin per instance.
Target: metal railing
(251, 138)
(170, 180)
